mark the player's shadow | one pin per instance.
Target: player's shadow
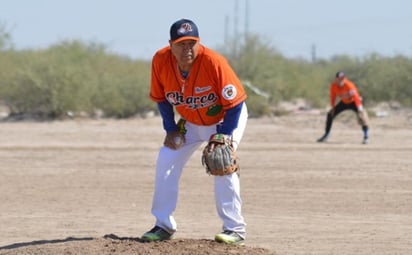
(68, 239)
(40, 242)
(116, 237)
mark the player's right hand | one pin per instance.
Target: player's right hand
(174, 140)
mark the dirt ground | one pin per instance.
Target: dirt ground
(85, 187)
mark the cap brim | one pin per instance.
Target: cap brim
(186, 38)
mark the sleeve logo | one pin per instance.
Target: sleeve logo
(229, 92)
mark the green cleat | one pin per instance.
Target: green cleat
(230, 237)
(156, 234)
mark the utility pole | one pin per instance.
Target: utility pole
(226, 35)
(246, 19)
(314, 53)
(235, 29)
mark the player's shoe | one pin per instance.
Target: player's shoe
(230, 237)
(323, 139)
(365, 140)
(156, 234)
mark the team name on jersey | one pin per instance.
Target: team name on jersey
(192, 102)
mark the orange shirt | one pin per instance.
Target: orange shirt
(347, 93)
(211, 88)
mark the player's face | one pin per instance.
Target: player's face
(340, 80)
(185, 52)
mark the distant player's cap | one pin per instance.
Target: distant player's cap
(340, 74)
(184, 29)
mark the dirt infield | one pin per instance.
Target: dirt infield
(85, 187)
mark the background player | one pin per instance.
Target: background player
(350, 99)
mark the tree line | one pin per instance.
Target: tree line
(86, 78)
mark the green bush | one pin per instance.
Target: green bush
(83, 78)
(79, 78)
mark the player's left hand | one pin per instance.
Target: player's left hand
(219, 156)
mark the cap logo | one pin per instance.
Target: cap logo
(184, 29)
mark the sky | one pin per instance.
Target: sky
(137, 28)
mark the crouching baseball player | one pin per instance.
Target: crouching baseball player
(202, 88)
(350, 99)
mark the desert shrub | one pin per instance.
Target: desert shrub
(75, 77)
(79, 77)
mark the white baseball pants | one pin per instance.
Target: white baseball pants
(169, 166)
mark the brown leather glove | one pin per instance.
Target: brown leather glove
(219, 156)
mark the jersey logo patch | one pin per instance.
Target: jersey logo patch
(229, 92)
(214, 110)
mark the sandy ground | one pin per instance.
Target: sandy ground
(75, 181)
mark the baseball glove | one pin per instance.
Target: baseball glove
(219, 156)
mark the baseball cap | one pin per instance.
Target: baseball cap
(184, 29)
(340, 74)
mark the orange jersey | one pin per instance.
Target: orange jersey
(347, 93)
(211, 88)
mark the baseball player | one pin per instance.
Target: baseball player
(202, 88)
(349, 100)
